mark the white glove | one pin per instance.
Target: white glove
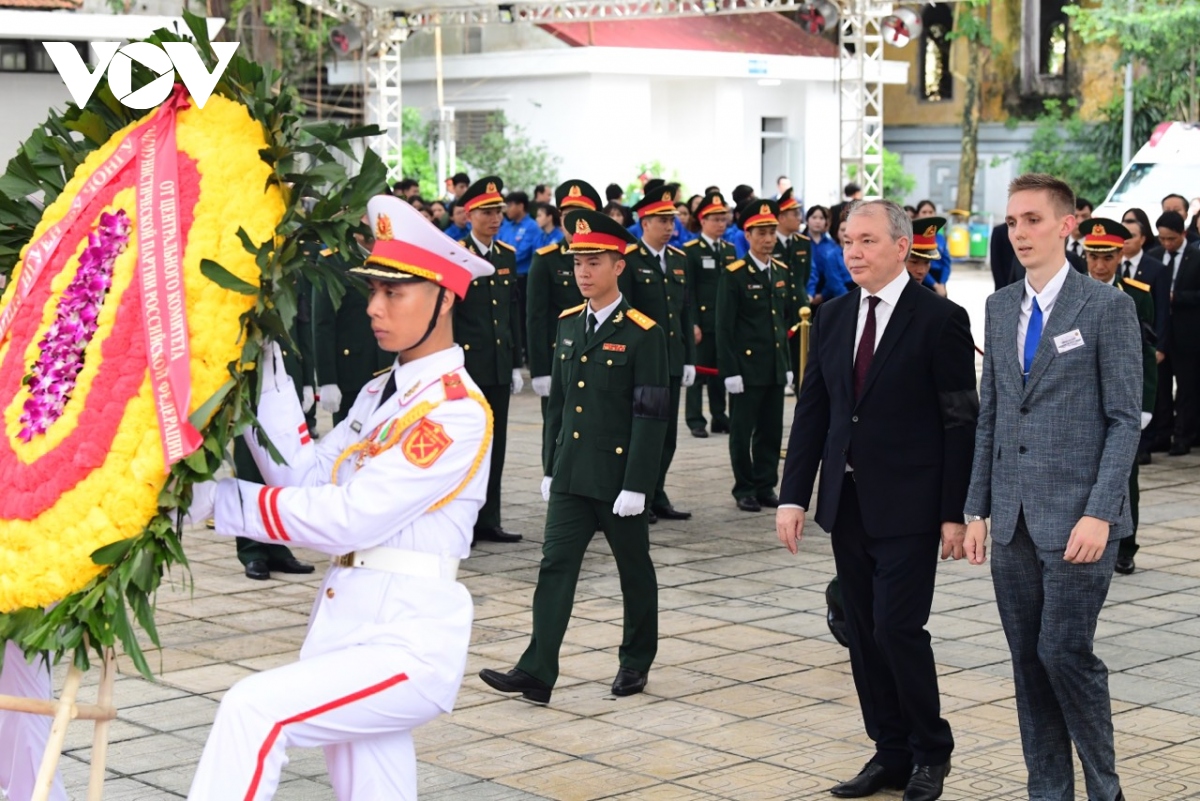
(734, 385)
(518, 383)
(331, 398)
(204, 500)
(541, 386)
(689, 375)
(629, 504)
(273, 371)
(546, 488)
(309, 399)
(790, 377)
(1146, 418)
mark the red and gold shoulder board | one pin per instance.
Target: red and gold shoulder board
(1137, 284)
(453, 386)
(640, 319)
(425, 444)
(553, 246)
(631, 248)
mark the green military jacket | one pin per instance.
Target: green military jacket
(550, 290)
(1144, 302)
(662, 298)
(606, 419)
(704, 267)
(796, 253)
(487, 322)
(751, 327)
(346, 352)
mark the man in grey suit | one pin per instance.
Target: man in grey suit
(1059, 420)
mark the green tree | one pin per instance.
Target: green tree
(1063, 145)
(507, 151)
(414, 152)
(971, 23)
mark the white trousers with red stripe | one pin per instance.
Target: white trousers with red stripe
(360, 704)
(23, 736)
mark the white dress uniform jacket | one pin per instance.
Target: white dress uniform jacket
(385, 651)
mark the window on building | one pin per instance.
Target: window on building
(1053, 38)
(470, 126)
(937, 82)
(1045, 37)
(19, 55)
(473, 40)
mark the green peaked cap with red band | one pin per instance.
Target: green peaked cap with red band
(924, 242)
(1102, 235)
(594, 232)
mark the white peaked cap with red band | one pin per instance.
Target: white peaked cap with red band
(408, 247)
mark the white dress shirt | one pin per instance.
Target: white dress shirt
(1134, 261)
(660, 256)
(889, 296)
(483, 249)
(604, 313)
(1045, 300)
(1075, 246)
(766, 268)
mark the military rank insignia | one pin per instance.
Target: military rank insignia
(426, 443)
(615, 347)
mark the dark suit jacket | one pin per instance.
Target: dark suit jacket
(912, 432)
(1153, 272)
(1185, 307)
(1002, 256)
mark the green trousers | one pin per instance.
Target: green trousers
(660, 500)
(571, 522)
(706, 356)
(755, 439)
(249, 550)
(1128, 546)
(498, 398)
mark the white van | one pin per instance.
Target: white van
(1169, 164)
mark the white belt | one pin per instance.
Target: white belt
(398, 560)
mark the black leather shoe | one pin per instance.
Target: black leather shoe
(873, 778)
(651, 518)
(771, 500)
(1179, 449)
(720, 428)
(749, 505)
(926, 781)
(497, 534)
(669, 512)
(258, 569)
(517, 681)
(1144, 457)
(629, 682)
(290, 565)
(1125, 565)
(699, 433)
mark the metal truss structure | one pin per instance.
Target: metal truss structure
(860, 58)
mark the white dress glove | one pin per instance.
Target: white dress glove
(689, 375)
(541, 386)
(204, 500)
(734, 385)
(629, 504)
(273, 370)
(518, 383)
(790, 377)
(331, 398)
(309, 399)
(1146, 418)
(546, 488)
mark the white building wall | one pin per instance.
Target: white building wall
(27, 99)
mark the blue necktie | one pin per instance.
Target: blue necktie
(1033, 335)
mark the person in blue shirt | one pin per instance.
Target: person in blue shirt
(549, 223)
(829, 277)
(939, 270)
(519, 230)
(459, 225)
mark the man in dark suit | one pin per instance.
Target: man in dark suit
(1059, 417)
(1182, 346)
(1184, 353)
(887, 412)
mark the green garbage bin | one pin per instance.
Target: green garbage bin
(979, 240)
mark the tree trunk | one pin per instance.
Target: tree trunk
(969, 162)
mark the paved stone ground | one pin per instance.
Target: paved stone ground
(750, 697)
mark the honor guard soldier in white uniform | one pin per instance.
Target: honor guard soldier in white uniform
(392, 493)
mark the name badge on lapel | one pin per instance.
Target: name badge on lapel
(616, 347)
(708, 263)
(754, 286)
(568, 342)
(1068, 341)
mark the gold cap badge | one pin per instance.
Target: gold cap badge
(1098, 230)
(574, 192)
(491, 188)
(765, 209)
(581, 227)
(666, 197)
(931, 230)
(383, 227)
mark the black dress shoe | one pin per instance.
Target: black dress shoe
(1144, 457)
(497, 534)
(749, 505)
(720, 428)
(517, 681)
(873, 778)
(1125, 565)
(290, 565)
(629, 682)
(258, 569)
(669, 512)
(651, 517)
(699, 433)
(926, 781)
(1179, 449)
(771, 500)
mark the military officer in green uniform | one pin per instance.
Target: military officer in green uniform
(1102, 244)
(347, 353)
(551, 287)
(487, 324)
(707, 257)
(752, 301)
(601, 445)
(655, 283)
(795, 250)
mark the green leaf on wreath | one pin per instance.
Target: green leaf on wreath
(225, 279)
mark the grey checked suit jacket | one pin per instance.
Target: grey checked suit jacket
(1062, 445)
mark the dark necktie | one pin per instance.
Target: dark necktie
(591, 329)
(1075, 246)
(866, 349)
(1128, 269)
(1171, 266)
(389, 389)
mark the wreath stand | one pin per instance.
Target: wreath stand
(64, 710)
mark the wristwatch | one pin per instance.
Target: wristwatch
(969, 519)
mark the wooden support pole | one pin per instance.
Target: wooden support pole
(104, 699)
(58, 734)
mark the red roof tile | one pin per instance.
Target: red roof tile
(42, 5)
(758, 32)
